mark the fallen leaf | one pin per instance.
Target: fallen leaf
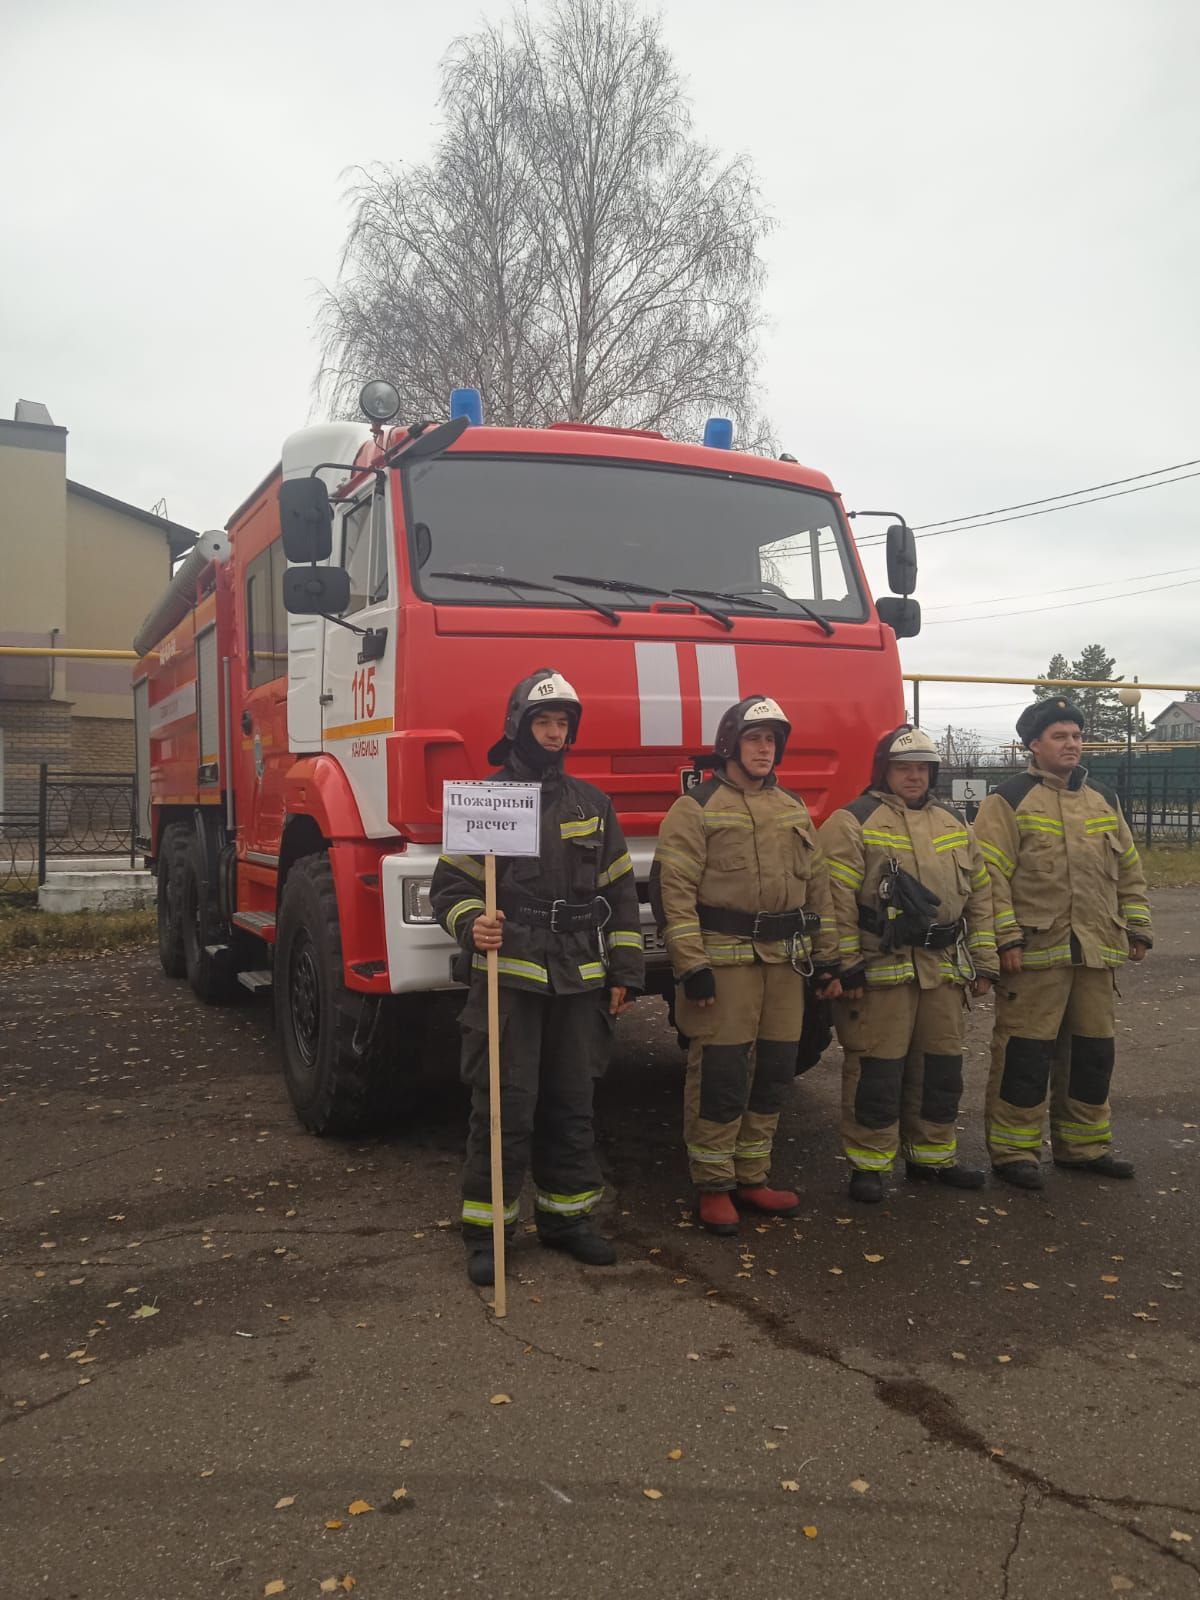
(1120, 1582)
(1003, 1359)
(1109, 1277)
(965, 1261)
(1049, 1248)
(328, 1585)
(790, 1485)
(358, 1508)
(500, 1400)
(1029, 1286)
(652, 1494)
(837, 1271)
(151, 1311)
(958, 1355)
(349, 1583)
(728, 1408)
(207, 1472)
(406, 1444)
(334, 1523)
(399, 1494)
(692, 1355)
(770, 1444)
(1180, 1538)
(859, 1485)
(674, 1455)
(810, 1532)
(276, 1586)
(287, 1500)
(872, 1259)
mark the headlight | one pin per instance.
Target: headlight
(417, 904)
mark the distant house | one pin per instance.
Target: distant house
(80, 569)
(1181, 720)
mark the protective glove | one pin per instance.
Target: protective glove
(701, 984)
(854, 983)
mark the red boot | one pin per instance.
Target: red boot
(717, 1212)
(774, 1202)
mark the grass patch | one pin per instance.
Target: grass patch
(28, 935)
(1172, 866)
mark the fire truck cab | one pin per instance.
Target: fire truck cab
(316, 670)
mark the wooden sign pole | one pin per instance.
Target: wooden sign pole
(493, 1015)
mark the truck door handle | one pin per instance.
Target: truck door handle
(247, 723)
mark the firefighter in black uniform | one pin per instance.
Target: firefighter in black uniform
(570, 957)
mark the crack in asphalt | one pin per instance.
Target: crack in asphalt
(934, 1411)
(1017, 1532)
(555, 1355)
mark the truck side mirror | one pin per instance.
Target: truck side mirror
(306, 520)
(316, 591)
(901, 559)
(903, 617)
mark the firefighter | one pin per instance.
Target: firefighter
(568, 934)
(740, 891)
(914, 915)
(1071, 907)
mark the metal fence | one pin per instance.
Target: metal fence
(1162, 806)
(78, 815)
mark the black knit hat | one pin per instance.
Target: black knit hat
(1035, 719)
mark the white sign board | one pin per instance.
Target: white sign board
(968, 790)
(492, 819)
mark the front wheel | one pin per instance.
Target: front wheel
(341, 1050)
(172, 854)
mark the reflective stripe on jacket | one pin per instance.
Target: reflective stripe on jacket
(583, 854)
(1064, 867)
(935, 845)
(740, 850)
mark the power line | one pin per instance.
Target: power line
(1104, 583)
(1068, 494)
(971, 527)
(1063, 605)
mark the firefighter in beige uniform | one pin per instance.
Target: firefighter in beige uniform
(1071, 908)
(740, 890)
(914, 913)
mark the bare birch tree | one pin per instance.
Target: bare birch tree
(571, 249)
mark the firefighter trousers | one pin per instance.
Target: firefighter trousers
(740, 1071)
(1052, 1048)
(552, 1049)
(902, 1074)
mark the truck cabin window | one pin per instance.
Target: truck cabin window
(266, 619)
(365, 554)
(756, 544)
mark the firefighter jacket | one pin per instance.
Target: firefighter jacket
(583, 856)
(864, 841)
(1066, 877)
(739, 850)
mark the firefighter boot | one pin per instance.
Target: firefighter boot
(866, 1187)
(717, 1212)
(1101, 1167)
(772, 1202)
(481, 1267)
(582, 1243)
(953, 1176)
(1021, 1174)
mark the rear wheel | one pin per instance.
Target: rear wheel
(342, 1058)
(172, 852)
(207, 944)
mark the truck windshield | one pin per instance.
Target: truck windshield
(661, 526)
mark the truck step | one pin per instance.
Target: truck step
(215, 950)
(256, 982)
(261, 923)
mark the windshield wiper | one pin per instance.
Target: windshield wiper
(823, 623)
(643, 588)
(517, 584)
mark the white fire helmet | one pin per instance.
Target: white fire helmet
(912, 744)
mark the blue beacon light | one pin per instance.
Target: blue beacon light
(718, 433)
(467, 403)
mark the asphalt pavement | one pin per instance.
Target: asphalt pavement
(222, 1338)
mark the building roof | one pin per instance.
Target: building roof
(179, 538)
(1185, 710)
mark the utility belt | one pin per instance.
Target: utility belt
(557, 916)
(764, 926)
(903, 930)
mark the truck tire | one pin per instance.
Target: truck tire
(207, 944)
(169, 874)
(343, 1062)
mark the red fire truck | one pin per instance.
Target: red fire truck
(313, 673)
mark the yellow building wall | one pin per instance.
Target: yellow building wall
(117, 567)
(33, 540)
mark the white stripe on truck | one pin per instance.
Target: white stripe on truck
(717, 666)
(658, 693)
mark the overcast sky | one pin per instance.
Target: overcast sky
(982, 283)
